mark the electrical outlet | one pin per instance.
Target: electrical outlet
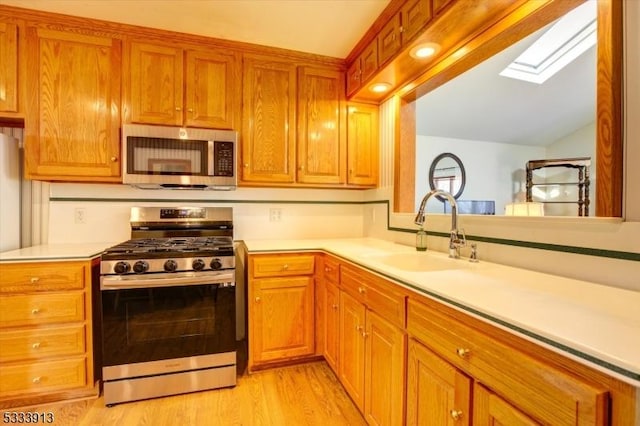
(80, 216)
(275, 215)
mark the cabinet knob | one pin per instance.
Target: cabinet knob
(462, 352)
(456, 414)
(257, 299)
(285, 267)
(114, 159)
(362, 290)
(178, 109)
(35, 311)
(36, 345)
(246, 164)
(359, 328)
(36, 380)
(190, 110)
(334, 307)
(35, 280)
(365, 334)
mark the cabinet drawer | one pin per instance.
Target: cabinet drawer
(331, 270)
(42, 342)
(40, 309)
(281, 265)
(542, 390)
(377, 295)
(43, 376)
(28, 277)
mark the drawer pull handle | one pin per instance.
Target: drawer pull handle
(361, 290)
(456, 414)
(462, 352)
(36, 379)
(35, 311)
(35, 280)
(285, 266)
(36, 345)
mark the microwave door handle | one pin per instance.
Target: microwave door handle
(210, 159)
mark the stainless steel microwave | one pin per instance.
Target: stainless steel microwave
(178, 157)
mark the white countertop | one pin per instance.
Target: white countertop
(48, 252)
(591, 323)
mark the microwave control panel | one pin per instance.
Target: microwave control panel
(223, 158)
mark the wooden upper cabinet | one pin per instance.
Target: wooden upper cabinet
(415, 15)
(321, 126)
(156, 84)
(363, 145)
(438, 5)
(8, 67)
(268, 121)
(389, 40)
(363, 67)
(173, 86)
(212, 90)
(72, 131)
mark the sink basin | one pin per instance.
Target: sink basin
(419, 262)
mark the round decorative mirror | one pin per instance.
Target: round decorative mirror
(447, 173)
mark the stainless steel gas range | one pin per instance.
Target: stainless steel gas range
(169, 305)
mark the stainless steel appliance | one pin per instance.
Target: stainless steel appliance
(178, 157)
(169, 305)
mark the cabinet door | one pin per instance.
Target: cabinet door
(369, 60)
(437, 393)
(212, 83)
(384, 372)
(351, 361)
(415, 15)
(489, 409)
(281, 322)
(73, 130)
(332, 325)
(389, 40)
(156, 84)
(268, 121)
(354, 75)
(362, 142)
(8, 67)
(321, 138)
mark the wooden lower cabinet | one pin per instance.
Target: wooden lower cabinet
(46, 338)
(489, 409)
(371, 365)
(331, 329)
(437, 392)
(281, 314)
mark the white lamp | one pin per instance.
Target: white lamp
(524, 209)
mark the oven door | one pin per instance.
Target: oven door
(174, 318)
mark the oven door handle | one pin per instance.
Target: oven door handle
(119, 283)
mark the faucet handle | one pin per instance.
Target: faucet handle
(462, 242)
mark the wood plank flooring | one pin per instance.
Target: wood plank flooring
(305, 394)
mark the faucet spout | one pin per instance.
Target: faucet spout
(455, 242)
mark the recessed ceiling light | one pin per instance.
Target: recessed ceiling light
(568, 38)
(380, 87)
(424, 50)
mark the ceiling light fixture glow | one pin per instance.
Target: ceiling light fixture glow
(380, 87)
(568, 38)
(424, 50)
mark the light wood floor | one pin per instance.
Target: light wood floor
(306, 394)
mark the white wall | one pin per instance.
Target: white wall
(305, 213)
(494, 171)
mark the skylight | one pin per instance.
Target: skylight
(568, 38)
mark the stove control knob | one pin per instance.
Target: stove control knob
(198, 264)
(216, 264)
(170, 265)
(140, 267)
(122, 267)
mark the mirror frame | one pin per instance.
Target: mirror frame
(522, 21)
(432, 170)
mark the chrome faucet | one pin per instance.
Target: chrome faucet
(455, 242)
